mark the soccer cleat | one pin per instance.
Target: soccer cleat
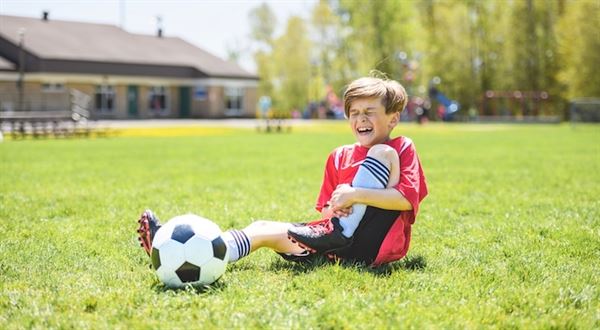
(303, 257)
(321, 237)
(149, 225)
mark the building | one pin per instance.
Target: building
(117, 74)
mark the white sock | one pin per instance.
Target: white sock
(371, 174)
(238, 244)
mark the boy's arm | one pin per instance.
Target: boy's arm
(389, 198)
(344, 196)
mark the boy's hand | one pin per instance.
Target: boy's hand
(343, 212)
(342, 199)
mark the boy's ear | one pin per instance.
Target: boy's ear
(395, 119)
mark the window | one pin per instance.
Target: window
(234, 97)
(158, 100)
(105, 99)
(53, 87)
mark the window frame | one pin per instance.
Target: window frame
(105, 91)
(160, 90)
(237, 94)
(53, 87)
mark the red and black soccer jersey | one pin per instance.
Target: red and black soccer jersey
(342, 165)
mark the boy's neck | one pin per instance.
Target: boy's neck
(380, 142)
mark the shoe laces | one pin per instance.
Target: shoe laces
(321, 228)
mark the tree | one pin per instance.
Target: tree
(292, 67)
(450, 50)
(378, 31)
(472, 45)
(579, 40)
(263, 23)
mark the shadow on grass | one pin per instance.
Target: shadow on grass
(409, 263)
(214, 288)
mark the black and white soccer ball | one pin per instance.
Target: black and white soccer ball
(188, 249)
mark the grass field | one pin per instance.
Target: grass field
(509, 236)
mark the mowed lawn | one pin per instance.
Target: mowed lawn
(508, 237)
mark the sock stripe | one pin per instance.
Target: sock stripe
(246, 243)
(378, 164)
(239, 242)
(374, 164)
(382, 178)
(242, 242)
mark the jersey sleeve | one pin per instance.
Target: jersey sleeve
(412, 183)
(330, 182)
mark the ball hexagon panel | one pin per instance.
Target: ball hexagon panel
(205, 227)
(162, 235)
(168, 277)
(212, 270)
(172, 254)
(198, 250)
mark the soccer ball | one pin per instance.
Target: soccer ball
(188, 249)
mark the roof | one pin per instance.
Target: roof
(6, 65)
(77, 41)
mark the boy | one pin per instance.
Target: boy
(369, 197)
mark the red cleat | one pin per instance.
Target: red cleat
(149, 225)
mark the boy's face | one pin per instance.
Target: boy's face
(369, 122)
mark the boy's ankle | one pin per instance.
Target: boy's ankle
(323, 238)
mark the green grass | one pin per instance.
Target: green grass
(509, 236)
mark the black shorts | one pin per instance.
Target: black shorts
(368, 237)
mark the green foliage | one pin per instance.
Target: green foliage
(292, 67)
(507, 238)
(263, 23)
(533, 44)
(473, 46)
(579, 34)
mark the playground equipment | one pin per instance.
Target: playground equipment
(447, 107)
(271, 119)
(517, 106)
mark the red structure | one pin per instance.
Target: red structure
(513, 103)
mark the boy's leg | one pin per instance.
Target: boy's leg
(374, 173)
(270, 234)
(379, 170)
(262, 233)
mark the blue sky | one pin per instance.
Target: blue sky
(210, 24)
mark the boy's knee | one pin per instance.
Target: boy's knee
(383, 153)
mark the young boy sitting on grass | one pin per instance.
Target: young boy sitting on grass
(369, 197)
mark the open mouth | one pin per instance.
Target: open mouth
(364, 130)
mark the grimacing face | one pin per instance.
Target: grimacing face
(369, 122)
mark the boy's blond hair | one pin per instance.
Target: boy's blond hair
(392, 94)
